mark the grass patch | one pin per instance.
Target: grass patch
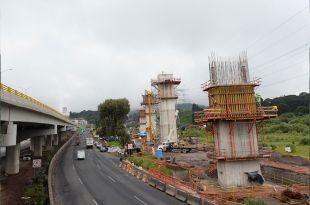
(115, 144)
(147, 162)
(280, 140)
(249, 201)
(202, 135)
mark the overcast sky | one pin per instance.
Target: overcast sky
(77, 53)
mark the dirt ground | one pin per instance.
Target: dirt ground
(198, 159)
(17, 183)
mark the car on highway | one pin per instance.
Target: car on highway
(27, 157)
(103, 149)
(80, 154)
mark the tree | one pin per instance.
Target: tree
(112, 116)
(195, 108)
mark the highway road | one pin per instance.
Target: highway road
(98, 180)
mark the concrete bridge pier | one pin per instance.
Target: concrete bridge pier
(38, 141)
(32, 144)
(55, 140)
(48, 142)
(12, 159)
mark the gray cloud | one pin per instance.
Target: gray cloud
(78, 53)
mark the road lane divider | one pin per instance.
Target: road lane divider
(138, 199)
(95, 202)
(80, 180)
(113, 180)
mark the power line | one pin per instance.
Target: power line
(282, 55)
(287, 36)
(285, 80)
(284, 68)
(277, 27)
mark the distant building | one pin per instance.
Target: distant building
(80, 122)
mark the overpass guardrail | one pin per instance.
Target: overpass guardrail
(32, 100)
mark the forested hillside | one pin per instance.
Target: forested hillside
(89, 115)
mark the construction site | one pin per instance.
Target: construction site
(234, 164)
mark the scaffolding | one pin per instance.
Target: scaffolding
(149, 101)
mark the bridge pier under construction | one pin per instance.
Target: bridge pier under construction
(234, 117)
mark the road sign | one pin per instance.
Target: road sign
(36, 163)
(130, 146)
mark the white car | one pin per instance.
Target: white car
(80, 154)
(27, 157)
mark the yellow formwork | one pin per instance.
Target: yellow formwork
(233, 99)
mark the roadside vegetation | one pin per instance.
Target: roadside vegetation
(249, 201)
(112, 117)
(147, 162)
(37, 190)
(289, 129)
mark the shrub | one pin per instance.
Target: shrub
(273, 146)
(249, 201)
(147, 163)
(304, 141)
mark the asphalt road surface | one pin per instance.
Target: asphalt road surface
(98, 180)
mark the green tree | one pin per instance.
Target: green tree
(195, 108)
(112, 116)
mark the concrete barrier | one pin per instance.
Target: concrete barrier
(160, 185)
(51, 173)
(139, 175)
(193, 200)
(181, 195)
(133, 172)
(170, 190)
(152, 182)
(145, 178)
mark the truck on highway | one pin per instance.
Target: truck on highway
(180, 146)
(89, 142)
(77, 140)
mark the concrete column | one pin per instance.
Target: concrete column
(44, 141)
(48, 142)
(32, 144)
(37, 146)
(55, 140)
(12, 159)
(59, 137)
(62, 136)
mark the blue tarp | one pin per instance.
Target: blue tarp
(159, 154)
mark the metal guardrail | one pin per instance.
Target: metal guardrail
(34, 101)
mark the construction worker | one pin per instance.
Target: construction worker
(258, 100)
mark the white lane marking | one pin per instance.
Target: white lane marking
(113, 180)
(140, 200)
(73, 167)
(98, 166)
(95, 202)
(80, 181)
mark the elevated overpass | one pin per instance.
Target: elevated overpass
(23, 117)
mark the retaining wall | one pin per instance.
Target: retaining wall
(284, 176)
